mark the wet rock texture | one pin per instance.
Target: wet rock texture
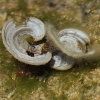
(82, 82)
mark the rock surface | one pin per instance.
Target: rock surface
(82, 82)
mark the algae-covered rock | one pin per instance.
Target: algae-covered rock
(19, 81)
